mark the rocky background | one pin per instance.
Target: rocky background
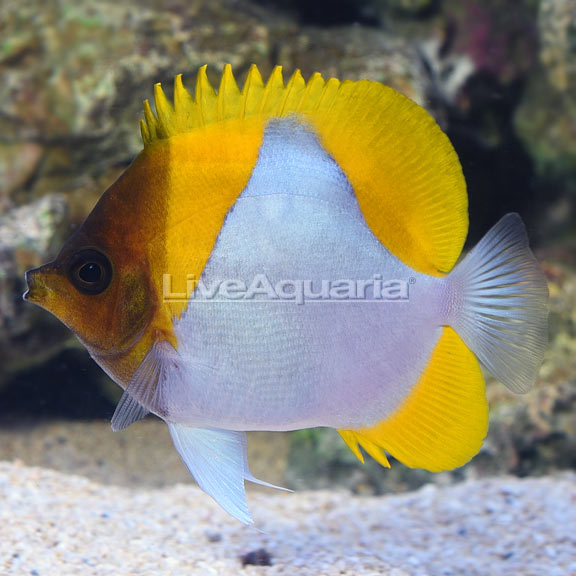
(500, 77)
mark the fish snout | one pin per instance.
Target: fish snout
(36, 291)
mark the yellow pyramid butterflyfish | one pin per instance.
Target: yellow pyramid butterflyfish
(285, 256)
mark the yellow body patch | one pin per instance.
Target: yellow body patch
(442, 423)
(208, 169)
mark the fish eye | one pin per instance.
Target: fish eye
(90, 271)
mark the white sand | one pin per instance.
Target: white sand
(54, 524)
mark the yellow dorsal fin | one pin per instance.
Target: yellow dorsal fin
(442, 423)
(206, 99)
(404, 171)
(273, 93)
(228, 101)
(252, 92)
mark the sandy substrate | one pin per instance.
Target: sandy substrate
(53, 524)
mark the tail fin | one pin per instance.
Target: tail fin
(502, 304)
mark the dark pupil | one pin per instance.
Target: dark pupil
(90, 273)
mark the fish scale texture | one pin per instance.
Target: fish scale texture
(325, 360)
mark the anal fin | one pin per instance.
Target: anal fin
(444, 419)
(354, 440)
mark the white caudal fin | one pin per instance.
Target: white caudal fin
(500, 304)
(217, 460)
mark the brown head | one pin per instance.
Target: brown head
(100, 284)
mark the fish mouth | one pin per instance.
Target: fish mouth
(36, 291)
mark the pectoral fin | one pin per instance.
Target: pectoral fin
(147, 388)
(127, 412)
(217, 460)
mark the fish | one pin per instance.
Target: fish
(289, 255)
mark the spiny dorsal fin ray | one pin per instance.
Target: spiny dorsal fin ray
(252, 92)
(205, 100)
(165, 110)
(275, 98)
(228, 101)
(404, 171)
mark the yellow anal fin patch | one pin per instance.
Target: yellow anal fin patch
(442, 423)
(354, 440)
